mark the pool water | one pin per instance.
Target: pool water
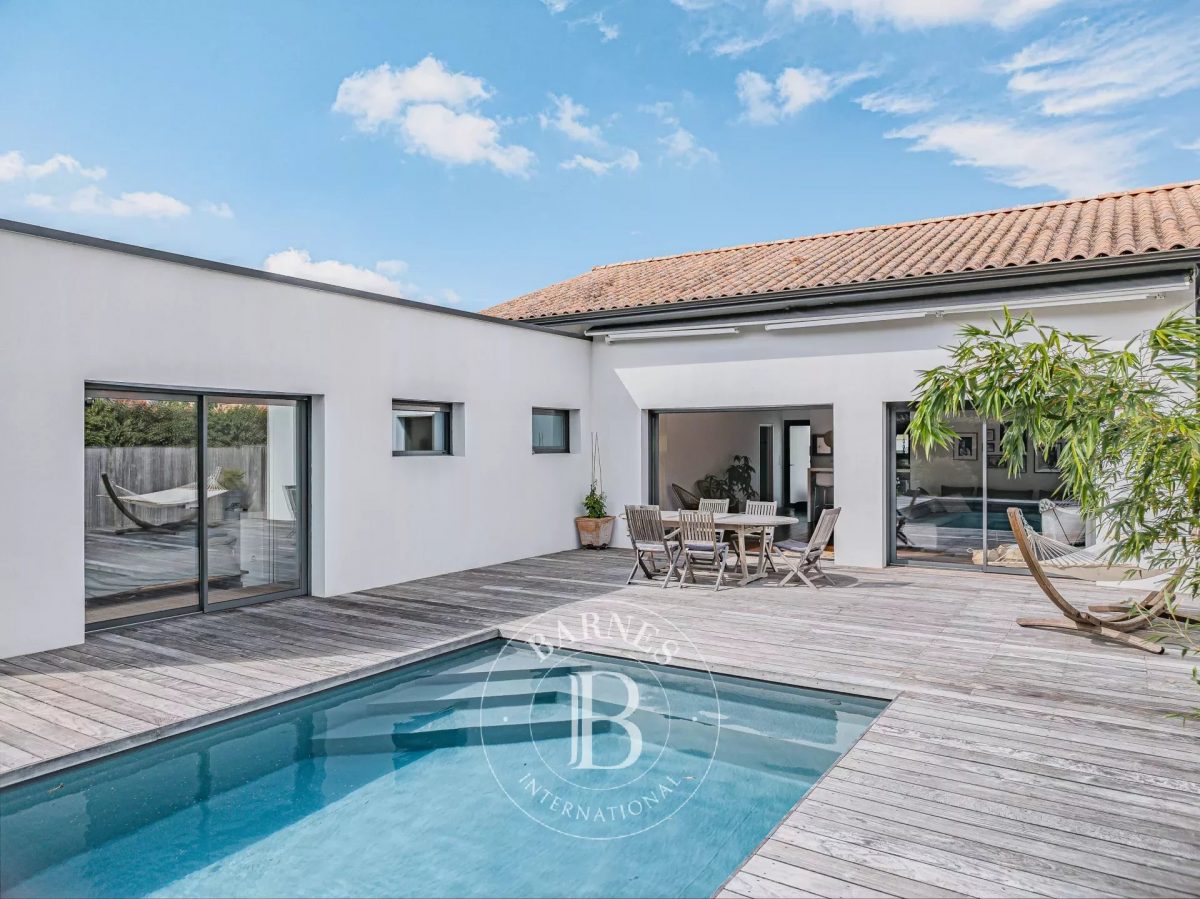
(469, 775)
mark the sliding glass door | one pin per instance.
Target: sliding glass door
(191, 501)
(141, 507)
(253, 545)
(938, 497)
(951, 506)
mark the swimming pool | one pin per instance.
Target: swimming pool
(466, 775)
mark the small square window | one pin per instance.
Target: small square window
(420, 429)
(551, 431)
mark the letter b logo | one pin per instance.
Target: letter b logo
(584, 717)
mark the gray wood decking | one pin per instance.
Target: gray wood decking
(1011, 763)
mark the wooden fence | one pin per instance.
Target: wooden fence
(144, 469)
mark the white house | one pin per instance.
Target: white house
(262, 436)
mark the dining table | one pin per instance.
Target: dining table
(742, 525)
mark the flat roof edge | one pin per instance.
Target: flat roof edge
(229, 268)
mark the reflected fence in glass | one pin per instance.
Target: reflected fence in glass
(141, 506)
(156, 543)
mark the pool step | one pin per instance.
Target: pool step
(499, 673)
(446, 737)
(405, 708)
(544, 717)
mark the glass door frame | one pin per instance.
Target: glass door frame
(890, 475)
(202, 397)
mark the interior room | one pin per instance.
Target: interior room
(781, 454)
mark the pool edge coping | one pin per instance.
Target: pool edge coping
(133, 741)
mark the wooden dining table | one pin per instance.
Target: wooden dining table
(742, 524)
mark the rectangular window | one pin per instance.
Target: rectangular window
(551, 428)
(420, 429)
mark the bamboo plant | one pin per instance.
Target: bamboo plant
(1123, 420)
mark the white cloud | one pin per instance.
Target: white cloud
(14, 166)
(1074, 159)
(434, 113)
(299, 264)
(393, 268)
(384, 278)
(798, 88)
(1096, 70)
(375, 97)
(567, 117)
(628, 161)
(608, 31)
(894, 103)
(765, 103)
(757, 97)
(220, 210)
(1194, 145)
(740, 44)
(136, 204)
(679, 145)
(556, 6)
(682, 146)
(91, 200)
(921, 13)
(461, 138)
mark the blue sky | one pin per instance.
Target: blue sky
(467, 151)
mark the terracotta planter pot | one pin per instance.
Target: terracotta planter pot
(595, 533)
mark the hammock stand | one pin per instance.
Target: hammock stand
(1040, 553)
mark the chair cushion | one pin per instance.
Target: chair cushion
(795, 546)
(705, 547)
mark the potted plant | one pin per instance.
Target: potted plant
(595, 529)
(237, 496)
(737, 485)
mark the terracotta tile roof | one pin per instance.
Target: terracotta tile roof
(1132, 222)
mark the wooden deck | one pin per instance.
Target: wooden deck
(1010, 763)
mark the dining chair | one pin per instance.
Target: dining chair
(804, 557)
(651, 539)
(717, 507)
(767, 534)
(699, 539)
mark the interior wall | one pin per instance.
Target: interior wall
(695, 444)
(72, 314)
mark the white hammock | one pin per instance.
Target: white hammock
(1088, 563)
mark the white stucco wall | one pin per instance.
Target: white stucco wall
(857, 368)
(71, 314)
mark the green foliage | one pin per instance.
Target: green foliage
(738, 482)
(595, 503)
(108, 422)
(233, 479)
(1125, 421)
(240, 425)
